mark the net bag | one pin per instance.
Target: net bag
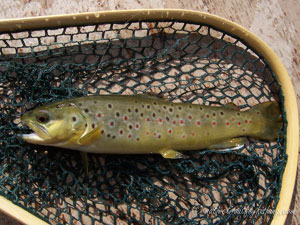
(183, 56)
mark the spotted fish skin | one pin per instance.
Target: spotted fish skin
(142, 124)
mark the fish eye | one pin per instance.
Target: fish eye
(43, 117)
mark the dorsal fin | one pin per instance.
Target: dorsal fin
(232, 106)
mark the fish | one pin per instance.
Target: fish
(143, 124)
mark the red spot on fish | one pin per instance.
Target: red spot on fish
(214, 123)
(193, 134)
(238, 123)
(159, 136)
(99, 115)
(169, 131)
(207, 116)
(125, 118)
(159, 120)
(153, 114)
(174, 122)
(154, 134)
(244, 130)
(183, 136)
(111, 124)
(147, 133)
(250, 121)
(227, 123)
(121, 131)
(93, 125)
(198, 123)
(232, 119)
(129, 135)
(148, 119)
(189, 117)
(246, 121)
(181, 121)
(137, 126)
(102, 131)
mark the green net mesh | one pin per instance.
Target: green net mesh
(181, 61)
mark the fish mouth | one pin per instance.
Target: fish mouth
(39, 135)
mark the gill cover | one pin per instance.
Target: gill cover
(54, 124)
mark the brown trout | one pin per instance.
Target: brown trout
(142, 124)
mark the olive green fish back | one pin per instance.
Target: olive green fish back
(183, 62)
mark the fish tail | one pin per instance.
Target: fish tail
(268, 121)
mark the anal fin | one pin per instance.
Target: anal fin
(231, 144)
(90, 137)
(171, 154)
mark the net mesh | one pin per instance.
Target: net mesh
(183, 62)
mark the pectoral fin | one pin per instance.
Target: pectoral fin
(85, 161)
(231, 144)
(90, 137)
(171, 154)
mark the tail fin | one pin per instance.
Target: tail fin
(268, 121)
